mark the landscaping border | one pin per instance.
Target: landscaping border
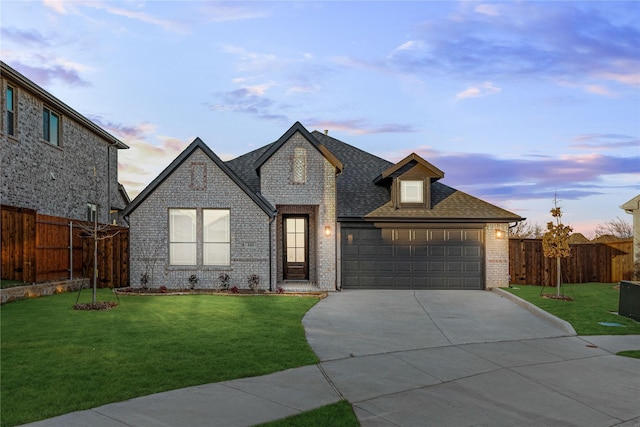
(41, 289)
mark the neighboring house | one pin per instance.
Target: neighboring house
(54, 160)
(633, 207)
(310, 212)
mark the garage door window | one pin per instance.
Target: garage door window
(411, 191)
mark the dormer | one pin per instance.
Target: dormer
(409, 182)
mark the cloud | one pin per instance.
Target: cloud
(64, 71)
(59, 6)
(226, 11)
(249, 100)
(599, 141)
(143, 161)
(484, 89)
(127, 133)
(487, 9)
(65, 7)
(534, 177)
(359, 126)
(24, 37)
(588, 44)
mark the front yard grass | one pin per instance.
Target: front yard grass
(593, 303)
(335, 415)
(57, 360)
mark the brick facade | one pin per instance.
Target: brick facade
(317, 192)
(55, 180)
(198, 183)
(496, 255)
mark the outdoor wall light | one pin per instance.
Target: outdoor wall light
(499, 234)
(327, 230)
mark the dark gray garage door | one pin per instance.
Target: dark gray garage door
(412, 258)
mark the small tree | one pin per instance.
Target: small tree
(555, 242)
(617, 227)
(524, 230)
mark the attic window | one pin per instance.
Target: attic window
(299, 167)
(411, 191)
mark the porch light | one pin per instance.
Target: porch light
(327, 230)
(499, 234)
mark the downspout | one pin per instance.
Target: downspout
(335, 227)
(271, 220)
(108, 183)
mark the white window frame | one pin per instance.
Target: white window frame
(183, 240)
(216, 237)
(199, 237)
(411, 191)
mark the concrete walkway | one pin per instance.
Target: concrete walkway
(405, 358)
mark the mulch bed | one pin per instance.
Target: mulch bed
(99, 306)
(239, 292)
(554, 296)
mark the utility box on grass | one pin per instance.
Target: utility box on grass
(629, 304)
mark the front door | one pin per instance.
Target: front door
(296, 253)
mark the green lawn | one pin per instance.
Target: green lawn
(57, 360)
(336, 415)
(593, 303)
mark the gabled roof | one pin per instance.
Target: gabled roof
(195, 145)
(360, 198)
(632, 205)
(297, 127)
(54, 102)
(447, 205)
(411, 159)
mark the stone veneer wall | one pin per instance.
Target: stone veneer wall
(198, 183)
(54, 180)
(496, 256)
(318, 190)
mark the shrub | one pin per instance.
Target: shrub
(193, 281)
(163, 289)
(234, 290)
(224, 280)
(254, 282)
(280, 290)
(144, 280)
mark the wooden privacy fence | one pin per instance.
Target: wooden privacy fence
(589, 262)
(40, 248)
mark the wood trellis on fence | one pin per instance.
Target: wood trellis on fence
(41, 248)
(589, 262)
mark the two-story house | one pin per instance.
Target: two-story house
(310, 212)
(53, 159)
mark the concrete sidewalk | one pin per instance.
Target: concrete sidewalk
(406, 358)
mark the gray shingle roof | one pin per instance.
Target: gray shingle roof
(198, 144)
(360, 198)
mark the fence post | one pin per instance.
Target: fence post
(70, 250)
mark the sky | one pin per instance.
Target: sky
(517, 102)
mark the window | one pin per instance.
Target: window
(50, 126)
(296, 239)
(91, 212)
(299, 171)
(411, 192)
(182, 237)
(216, 247)
(187, 238)
(10, 111)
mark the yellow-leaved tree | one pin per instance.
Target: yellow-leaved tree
(555, 242)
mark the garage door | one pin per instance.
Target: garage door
(412, 258)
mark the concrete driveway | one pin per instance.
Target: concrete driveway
(463, 358)
(425, 358)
